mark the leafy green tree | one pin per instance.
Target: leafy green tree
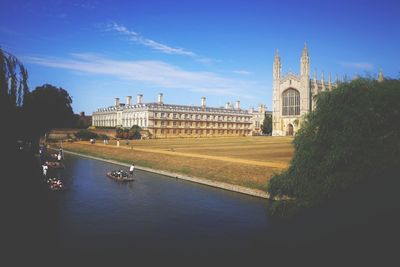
(135, 132)
(266, 127)
(132, 133)
(352, 137)
(49, 107)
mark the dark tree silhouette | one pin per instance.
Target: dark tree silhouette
(266, 127)
(352, 138)
(48, 107)
(13, 92)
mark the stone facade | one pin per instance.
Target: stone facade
(293, 95)
(166, 120)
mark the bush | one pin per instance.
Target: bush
(86, 135)
(352, 136)
(103, 137)
(132, 133)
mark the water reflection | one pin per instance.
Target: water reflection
(153, 213)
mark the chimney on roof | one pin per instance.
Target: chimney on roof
(128, 100)
(139, 99)
(203, 102)
(117, 101)
(160, 98)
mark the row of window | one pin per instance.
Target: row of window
(199, 116)
(189, 132)
(197, 124)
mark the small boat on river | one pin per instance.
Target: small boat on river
(120, 176)
(55, 184)
(55, 164)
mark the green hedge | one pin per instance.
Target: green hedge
(86, 135)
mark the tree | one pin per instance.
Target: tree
(49, 107)
(351, 139)
(86, 135)
(13, 92)
(13, 81)
(132, 133)
(266, 127)
(135, 131)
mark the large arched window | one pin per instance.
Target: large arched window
(290, 102)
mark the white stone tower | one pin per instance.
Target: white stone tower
(305, 104)
(277, 69)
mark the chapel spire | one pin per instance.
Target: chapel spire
(305, 62)
(277, 67)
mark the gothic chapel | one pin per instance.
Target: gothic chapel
(293, 95)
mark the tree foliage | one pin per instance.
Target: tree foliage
(352, 136)
(13, 81)
(266, 127)
(132, 133)
(13, 92)
(86, 135)
(49, 107)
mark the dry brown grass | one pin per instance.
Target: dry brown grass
(246, 161)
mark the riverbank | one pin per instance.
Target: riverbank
(222, 185)
(246, 161)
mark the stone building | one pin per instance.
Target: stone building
(293, 95)
(82, 120)
(257, 118)
(166, 120)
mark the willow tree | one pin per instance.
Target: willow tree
(351, 139)
(13, 81)
(13, 91)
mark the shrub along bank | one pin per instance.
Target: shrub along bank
(351, 139)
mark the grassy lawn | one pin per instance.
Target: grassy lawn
(246, 161)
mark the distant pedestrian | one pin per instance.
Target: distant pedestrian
(117, 143)
(45, 167)
(59, 157)
(131, 169)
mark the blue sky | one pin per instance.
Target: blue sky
(219, 49)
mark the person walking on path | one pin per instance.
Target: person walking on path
(131, 169)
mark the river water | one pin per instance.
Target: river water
(154, 215)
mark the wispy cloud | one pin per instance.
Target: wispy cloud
(136, 37)
(86, 5)
(156, 73)
(242, 72)
(157, 46)
(357, 65)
